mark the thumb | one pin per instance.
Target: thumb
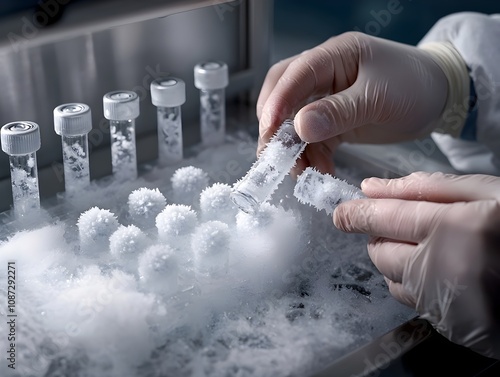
(335, 114)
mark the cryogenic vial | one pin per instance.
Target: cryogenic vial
(323, 191)
(168, 94)
(216, 204)
(212, 78)
(273, 164)
(121, 108)
(211, 243)
(187, 183)
(95, 227)
(144, 205)
(21, 140)
(158, 269)
(175, 224)
(73, 122)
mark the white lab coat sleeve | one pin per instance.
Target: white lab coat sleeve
(476, 37)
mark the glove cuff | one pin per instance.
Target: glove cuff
(452, 119)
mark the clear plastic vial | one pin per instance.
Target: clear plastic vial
(211, 78)
(21, 140)
(168, 94)
(273, 164)
(73, 122)
(121, 108)
(323, 191)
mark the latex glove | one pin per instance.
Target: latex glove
(436, 238)
(372, 91)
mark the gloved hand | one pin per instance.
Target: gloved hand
(436, 239)
(372, 91)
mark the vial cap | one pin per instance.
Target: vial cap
(168, 92)
(72, 119)
(211, 75)
(20, 138)
(121, 105)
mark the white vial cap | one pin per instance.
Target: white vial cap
(211, 75)
(20, 138)
(72, 119)
(168, 92)
(121, 105)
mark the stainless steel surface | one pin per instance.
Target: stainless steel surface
(374, 357)
(27, 28)
(99, 46)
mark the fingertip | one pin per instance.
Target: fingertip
(372, 186)
(313, 124)
(264, 122)
(261, 144)
(258, 111)
(398, 291)
(341, 218)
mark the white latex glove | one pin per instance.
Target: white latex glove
(436, 239)
(372, 91)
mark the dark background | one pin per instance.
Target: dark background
(301, 24)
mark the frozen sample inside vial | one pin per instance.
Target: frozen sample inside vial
(273, 164)
(323, 191)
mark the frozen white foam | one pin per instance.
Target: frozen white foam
(216, 203)
(187, 184)
(175, 225)
(95, 226)
(211, 243)
(144, 204)
(125, 244)
(175, 220)
(158, 269)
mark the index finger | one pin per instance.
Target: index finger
(409, 221)
(435, 187)
(326, 69)
(272, 77)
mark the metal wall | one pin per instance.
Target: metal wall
(97, 47)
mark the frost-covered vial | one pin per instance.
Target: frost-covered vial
(216, 204)
(121, 108)
(144, 204)
(273, 164)
(187, 184)
(211, 243)
(21, 140)
(95, 227)
(211, 78)
(168, 94)
(158, 269)
(73, 122)
(175, 224)
(323, 191)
